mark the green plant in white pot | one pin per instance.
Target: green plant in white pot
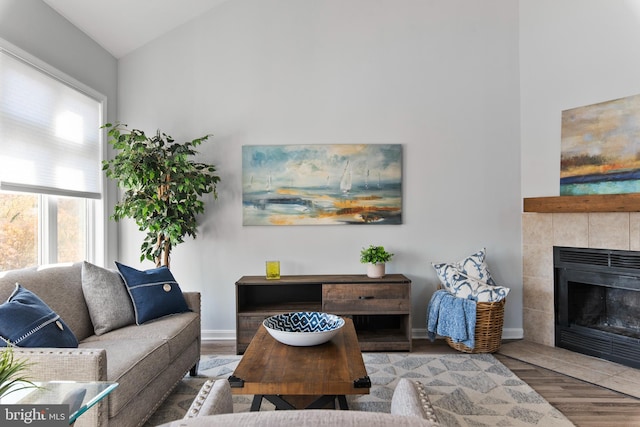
(375, 257)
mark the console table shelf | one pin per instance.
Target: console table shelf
(281, 308)
(380, 308)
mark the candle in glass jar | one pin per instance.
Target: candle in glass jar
(273, 269)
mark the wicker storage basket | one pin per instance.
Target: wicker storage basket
(489, 321)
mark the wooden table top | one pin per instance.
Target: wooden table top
(269, 367)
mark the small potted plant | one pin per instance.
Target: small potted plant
(375, 257)
(12, 376)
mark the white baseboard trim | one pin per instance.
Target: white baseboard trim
(219, 335)
(417, 333)
(512, 333)
(420, 334)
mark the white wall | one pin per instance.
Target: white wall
(439, 77)
(36, 28)
(572, 53)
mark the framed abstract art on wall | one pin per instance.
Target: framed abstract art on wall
(335, 184)
(600, 148)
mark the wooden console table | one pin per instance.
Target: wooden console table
(380, 308)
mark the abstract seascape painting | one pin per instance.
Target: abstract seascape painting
(333, 184)
(601, 148)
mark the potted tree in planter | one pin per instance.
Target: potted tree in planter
(375, 257)
(163, 187)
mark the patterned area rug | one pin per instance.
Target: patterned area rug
(472, 390)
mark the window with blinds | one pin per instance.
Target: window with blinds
(50, 137)
(51, 204)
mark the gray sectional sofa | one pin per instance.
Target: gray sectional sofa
(147, 360)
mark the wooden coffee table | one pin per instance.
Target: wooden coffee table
(302, 377)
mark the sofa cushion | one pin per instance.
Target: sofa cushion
(107, 298)
(60, 287)
(131, 363)
(154, 293)
(150, 396)
(177, 331)
(27, 321)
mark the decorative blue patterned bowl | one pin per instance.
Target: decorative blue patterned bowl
(303, 328)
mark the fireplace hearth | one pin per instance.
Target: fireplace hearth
(597, 303)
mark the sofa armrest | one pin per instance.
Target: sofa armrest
(410, 399)
(193, 301)
(214, 398)
(64, 364)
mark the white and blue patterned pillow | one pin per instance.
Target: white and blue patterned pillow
(463, 286)
(474, 266)
(445, 273)
(470, 278)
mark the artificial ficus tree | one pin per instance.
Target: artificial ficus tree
(163, 187)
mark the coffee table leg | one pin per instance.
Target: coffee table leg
(279, 402)
(255, 404)
(322, 402)
(342, 402)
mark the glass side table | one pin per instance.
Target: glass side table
(79, 395)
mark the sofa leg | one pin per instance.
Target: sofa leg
(193, 372)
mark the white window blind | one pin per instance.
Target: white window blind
(50, 137)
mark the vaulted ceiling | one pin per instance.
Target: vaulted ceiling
(121, 26)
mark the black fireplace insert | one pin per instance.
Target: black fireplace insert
(597, 303)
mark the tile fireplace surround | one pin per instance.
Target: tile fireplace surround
(542, 231)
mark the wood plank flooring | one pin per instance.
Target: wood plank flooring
(585, 404)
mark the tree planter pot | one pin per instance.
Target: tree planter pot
(375, 271)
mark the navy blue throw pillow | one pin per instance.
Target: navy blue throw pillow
(154, 293)
(27, 321)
